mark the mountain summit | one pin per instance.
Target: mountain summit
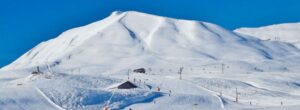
(139, 38)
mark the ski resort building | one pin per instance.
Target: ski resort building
(127, 85)
(140, 70)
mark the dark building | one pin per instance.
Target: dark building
(140, 70)
(37, 71)
(127, 85)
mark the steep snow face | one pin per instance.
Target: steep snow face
(138, 38)
(288, 32)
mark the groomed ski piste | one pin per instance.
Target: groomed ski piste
(221, 69)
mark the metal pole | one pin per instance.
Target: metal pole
(128, 74)
(223, 68)
(236, 97)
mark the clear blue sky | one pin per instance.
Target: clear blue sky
(25, 23)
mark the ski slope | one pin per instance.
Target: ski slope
(198, 89)
(28, 98)
(82, 67)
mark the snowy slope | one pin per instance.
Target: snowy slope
(138, 36)
(31, 100)
(89, 61)
(287, 32)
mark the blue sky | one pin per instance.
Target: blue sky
(25, 23)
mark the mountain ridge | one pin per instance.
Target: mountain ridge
(134, 34)
(285, 32)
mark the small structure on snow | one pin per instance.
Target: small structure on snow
(37, 71)
(127, 85)
(140, 70)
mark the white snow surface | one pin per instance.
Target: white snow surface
(145, 38)
(286, 32)
(82, 67)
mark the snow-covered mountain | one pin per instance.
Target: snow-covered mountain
(219, 69)
(287, 32)
(149, 39)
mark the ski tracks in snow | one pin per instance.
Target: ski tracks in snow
(49, 100)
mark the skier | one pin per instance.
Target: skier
(158, 89)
